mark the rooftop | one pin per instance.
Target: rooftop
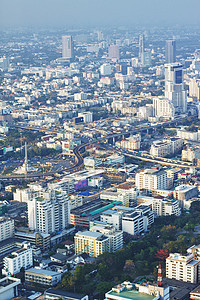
(42, 272)
(132, 295)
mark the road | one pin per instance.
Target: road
(78, 157)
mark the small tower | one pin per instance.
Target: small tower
(159, 280)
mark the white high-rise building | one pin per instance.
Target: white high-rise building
(105, 69)
(67, 47)
(174, 88)
(18, 259)
(151, 179)
(182, 267)
(163, 108)
(50, 212)
(6, 228)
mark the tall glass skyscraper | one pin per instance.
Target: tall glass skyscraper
(174, 87)
(170, 51)
(67, 47)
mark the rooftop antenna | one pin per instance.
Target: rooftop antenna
(159, 280)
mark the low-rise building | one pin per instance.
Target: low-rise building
(9, 288)
(115, 196)
(147, 291)
(51, 294)
(43, 277)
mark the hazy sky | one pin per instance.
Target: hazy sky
(98, 12)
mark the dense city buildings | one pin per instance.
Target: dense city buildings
(100, 162)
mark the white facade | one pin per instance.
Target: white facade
(174, 88)
(87, 116)
(67, 47)
(132, 143)
(76, 200)
(105, 69)
(163, 107)
(95, 181)
(194, 88)
(166, 147)
(188, 135)
(80, 96)
(185, 192)
(112, 217)
(18, 259)
(138, 220)
(151, 179)
(49, 213)
(184, 268)
(9, 288)
(115, 196)
(165, 207)
(6, 228)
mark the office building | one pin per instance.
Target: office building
(166, 148)
(165, 207)
(40, 240)
(131, 143)
(174, 87)
(6, 228)
(185, 192)
(67, 47)
(112, 217)
(105, 69)
(4, 63)
(98, 240)
(188, 135)
(163, 108)
(50, 212)
(18, 259)
(182, 267)
(138, 220)
(141, 49)
(87, 116)
(151, 179)
(194, 88)
(9, 288)
(113, 52)
(170, 51)
(43, 277)
(115, 196)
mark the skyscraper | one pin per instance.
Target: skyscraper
(67, 47)
(170, 51)
(48, 212)
(174, 88)
(113, 52)
(141, 48)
